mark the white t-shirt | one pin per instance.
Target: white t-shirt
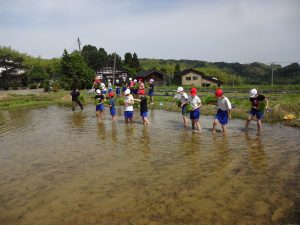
(223, 104)
(195, 101)
(129, 103)
(184, 98)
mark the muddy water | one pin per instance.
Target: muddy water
(64, 167)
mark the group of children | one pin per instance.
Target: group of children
(259, 105)
(129, 100)
(191, 105)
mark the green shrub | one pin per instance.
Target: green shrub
(210, 100)
(33, 86)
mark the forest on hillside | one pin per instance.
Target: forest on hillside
(78, 68)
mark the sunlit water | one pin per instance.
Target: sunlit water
(68, 168)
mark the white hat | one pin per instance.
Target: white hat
(127, 92)
(102, 84)
(179, 89)
(117, 81)
(151, 80)
(108, 80)
(129, 78)
(135, 80)
(98, 77)
(98, 91)
(253, 93)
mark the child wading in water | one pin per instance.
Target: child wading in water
(223, 111)
(129, 101)
(99, 98)
(195, 112)
(151, 90)
(259, 104)
(184, 102)
(143, 106)
(111, 106)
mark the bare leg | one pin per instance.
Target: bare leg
(197, 125)
(214, 126)
(185, 121)
(258, 126)
(224, 129)
(248, 122)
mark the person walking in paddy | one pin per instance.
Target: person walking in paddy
(184, 100)
(151, 90)
(75, 99)
(112, 108)
(143, 106)
(259, 105)
(195, 112)
(223, 111)
(129, 101)
(99, 98)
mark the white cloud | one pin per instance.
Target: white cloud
(242, 31)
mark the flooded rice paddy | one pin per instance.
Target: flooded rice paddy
(68, 168)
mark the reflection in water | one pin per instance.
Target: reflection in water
(256, 152)
(52, 171)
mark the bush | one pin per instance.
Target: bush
(210, 100)
(46, 86)
(33, 86)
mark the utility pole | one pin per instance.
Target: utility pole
(79, 44)
(114, 71)
(272, 68)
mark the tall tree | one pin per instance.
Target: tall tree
(91, 56)
(135, 62)
(177, 76)
(128, 59)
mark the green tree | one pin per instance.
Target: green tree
(177, 76)
(135, 64)
(91, 56)
(128, 59)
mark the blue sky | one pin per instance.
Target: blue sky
(232, 31)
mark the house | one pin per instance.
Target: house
(193, 77)
(156, 75)
(107, 72)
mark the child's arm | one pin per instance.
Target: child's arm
(229, 113)
(138, 100)
(267, 104)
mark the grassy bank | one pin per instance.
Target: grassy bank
(279, 104)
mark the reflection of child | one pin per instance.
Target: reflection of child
(111, 106)
(259, 104)
(99, 104)
(223, 111)
(129, 101)
(195, 112)
(143, 106)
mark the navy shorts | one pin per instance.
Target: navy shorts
(195, 114)
(144, 114)
(103, 92)
(118, 91)
(112, 112)
(183, 110)
(222, 116)
(128, 114)
(151, 92)
(100, 107)
(255, 112)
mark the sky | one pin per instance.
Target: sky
(242, 31)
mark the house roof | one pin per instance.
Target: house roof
(146, 73)
(187, 71)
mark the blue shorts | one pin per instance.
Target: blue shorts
(109, 90)
(113, 112)
(118, 91)
(124, 89)
(103, 92)
(183, 110)
(128, 114)
(151, 92)
(135, 91)
(255, 112)
(144, 114)
(100, 107)
(222, 116)
(195, 114)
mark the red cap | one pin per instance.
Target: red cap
(219, 92)
(193, 91)
(111, 94)
(140, 79)
(141, 92)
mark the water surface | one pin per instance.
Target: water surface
(64, 167)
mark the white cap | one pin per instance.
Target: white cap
(179, 89)
(151, 80)
(135, 80)
(129, 78)
(102, 84)
(98, 91)
(117, 81)
(98, 77)
(253, 93)
(108, 80)
(127, 92)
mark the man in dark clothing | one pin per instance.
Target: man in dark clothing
(75, 94)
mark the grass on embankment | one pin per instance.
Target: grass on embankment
(280, 104)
